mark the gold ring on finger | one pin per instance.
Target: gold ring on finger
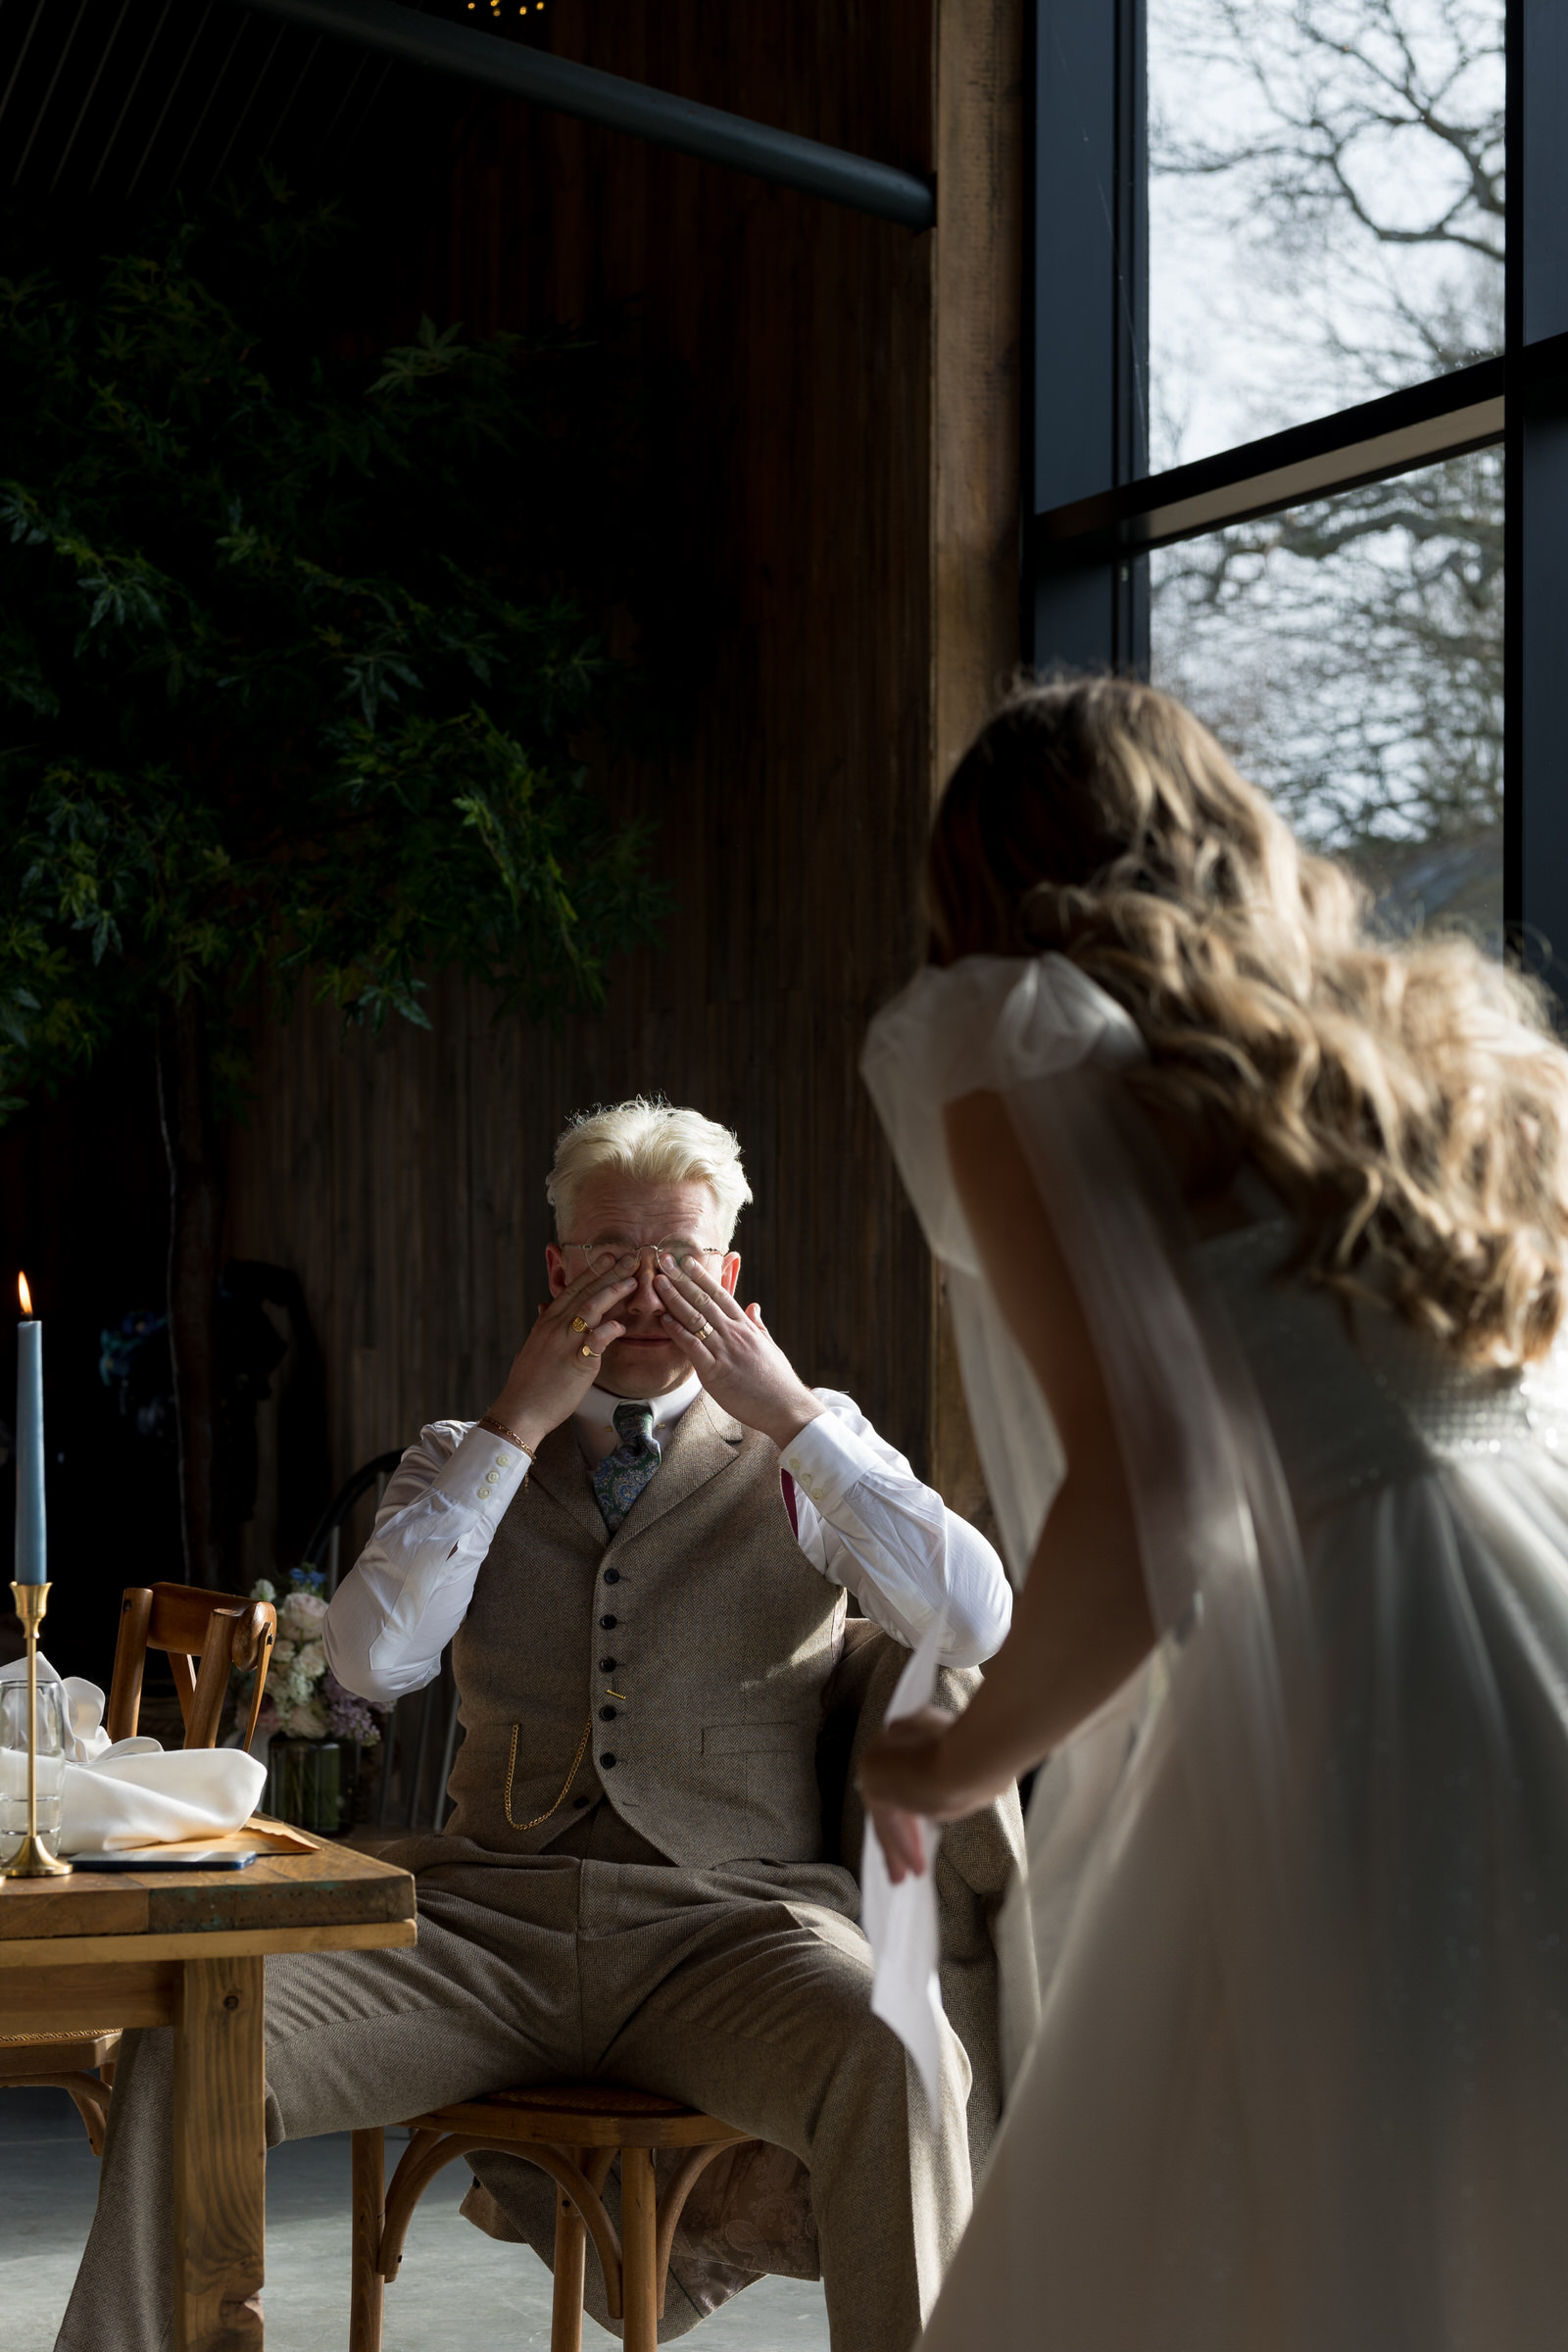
(590, 1354)
(704, 1327)
(579, 1324)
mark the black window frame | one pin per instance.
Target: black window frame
(1093, 514)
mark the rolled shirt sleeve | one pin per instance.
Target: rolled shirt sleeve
(867, 1522)
(410, 1588)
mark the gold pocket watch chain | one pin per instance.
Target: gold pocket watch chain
(512, 1760)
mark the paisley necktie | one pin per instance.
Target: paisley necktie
(620, 1477)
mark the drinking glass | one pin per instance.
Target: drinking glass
(48, 1734)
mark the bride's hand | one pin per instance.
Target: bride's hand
(920, 1764)
(900, 1780)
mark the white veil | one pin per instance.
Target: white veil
(1231, 1744)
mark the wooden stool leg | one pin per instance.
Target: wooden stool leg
(367, 2287)
(639, 2249)
(571, 2245)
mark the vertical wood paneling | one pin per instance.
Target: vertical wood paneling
(404, 1177)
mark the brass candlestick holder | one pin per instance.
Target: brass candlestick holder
(31, 1861)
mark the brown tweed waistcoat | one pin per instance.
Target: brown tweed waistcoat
(702, 1731)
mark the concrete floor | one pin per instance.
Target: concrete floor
(459, 2288)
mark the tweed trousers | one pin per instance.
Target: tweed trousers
(744, 1991)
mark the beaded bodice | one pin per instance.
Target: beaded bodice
(1360, 1399)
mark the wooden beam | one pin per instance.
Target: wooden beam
(42, 1998)
(975, 325)
(975, 329)
(87, 1951)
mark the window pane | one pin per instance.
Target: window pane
(1325, 207)
(1349, 655)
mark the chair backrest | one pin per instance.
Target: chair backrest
(322, 1549)
(419, 1743)
(206, 1634)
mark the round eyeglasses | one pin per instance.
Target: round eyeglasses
(676, 1245)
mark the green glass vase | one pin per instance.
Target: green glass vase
(307, 1784)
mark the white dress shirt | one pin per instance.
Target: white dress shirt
(860, 1516)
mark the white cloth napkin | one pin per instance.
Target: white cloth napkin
(901, 1922)
(130, 1791)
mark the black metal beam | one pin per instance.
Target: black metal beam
(593, 96)
(1536, 586)
(1439, 418)
(1089, 342)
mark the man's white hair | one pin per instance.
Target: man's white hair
(655, 1143)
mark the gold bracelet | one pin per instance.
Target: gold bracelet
(499, 1429)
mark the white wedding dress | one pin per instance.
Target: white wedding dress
(1296, 2065)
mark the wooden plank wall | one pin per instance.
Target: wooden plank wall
(403, 1179)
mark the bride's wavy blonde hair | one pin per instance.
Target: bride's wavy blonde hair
(1406, 1100)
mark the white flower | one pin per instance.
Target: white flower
(302, 1613)
(310, 1659)
(307, 1721)
(262, 1591)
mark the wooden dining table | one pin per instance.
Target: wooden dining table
(186, 1948)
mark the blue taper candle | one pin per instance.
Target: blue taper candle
(30, 1567)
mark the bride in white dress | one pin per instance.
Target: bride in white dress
(1254, 1230)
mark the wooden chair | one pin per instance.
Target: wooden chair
(65, 2062)
(574, 2134)
(325, 1548)
(419, 1745)
(205, 1634)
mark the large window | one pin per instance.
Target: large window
(1349, 654)
(1298, 447)
(1326, 208)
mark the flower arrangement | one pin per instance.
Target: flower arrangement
(304, 1699)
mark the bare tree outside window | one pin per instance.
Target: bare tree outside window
(1326, 209)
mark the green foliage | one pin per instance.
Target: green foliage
(292, 649)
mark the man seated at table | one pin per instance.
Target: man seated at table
(642, 1555)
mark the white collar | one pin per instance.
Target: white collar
(594, 1418)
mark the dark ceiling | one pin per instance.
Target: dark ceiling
(115, 100)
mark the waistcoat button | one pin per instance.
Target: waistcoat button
(607, 1665)
(607, 1714)
(612, 1576)
(605, 1762)
(608, 1624)
(580, 1801)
